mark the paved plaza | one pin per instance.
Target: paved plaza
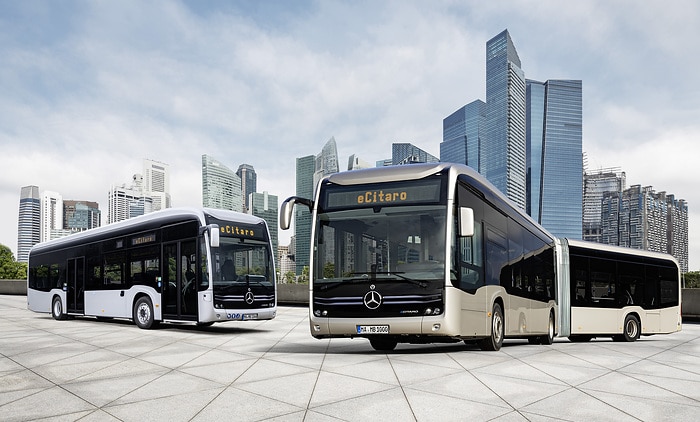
(86, 370)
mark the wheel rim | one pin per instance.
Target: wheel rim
(632, 328)
(551, 327)
(143, 313)
(497, 327)
(57, 310)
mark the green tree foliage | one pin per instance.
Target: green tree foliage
(692, 280)
(290, 277)
(329, 270)
(9, 268)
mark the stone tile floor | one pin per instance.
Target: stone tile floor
(86, 370)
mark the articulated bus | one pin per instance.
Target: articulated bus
(428, 253)
(177, 265)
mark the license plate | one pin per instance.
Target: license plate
(372, 329)
(250, 316)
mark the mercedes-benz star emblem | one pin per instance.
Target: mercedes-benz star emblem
(372, 299)
(249, 298)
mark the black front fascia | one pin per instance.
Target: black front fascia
(244, 296)
(378, 299)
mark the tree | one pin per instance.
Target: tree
(9, 268)
(289, 277)
(692, 279)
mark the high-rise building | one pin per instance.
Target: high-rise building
(264, 205)
(555, 155)
(221, 187)
(640, 218)
(81, 215)
(128, 201)
(156, 183)
(51, 214)
(309, 171)
(462, 134)
(406, 153)
(357, 163)
(595, 185)
(284, 262)
(502, 158)
(249, 183)
(302, 217)
(29, 221)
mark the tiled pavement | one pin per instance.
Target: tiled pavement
(86, 370)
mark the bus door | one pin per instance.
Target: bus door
(75, 283)
(179, 289)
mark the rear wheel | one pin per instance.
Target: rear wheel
(495, 340)
(631, 329)
(57, 309)
(143, 313)
(383, 345)
(549, 337)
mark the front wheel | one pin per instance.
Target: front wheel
(57, 309)
(631, 329)
(143, 313)
(383, 345)
(495, 340)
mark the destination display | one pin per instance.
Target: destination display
(386, 194)
(240, 230)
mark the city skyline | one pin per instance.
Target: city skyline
(94, 88)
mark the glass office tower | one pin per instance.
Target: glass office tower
(221, 186)
(503, 154)
(462, 133)
(555, 156)
(29, 222)
(249, 183)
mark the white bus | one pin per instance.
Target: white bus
(430, 253)
(176, 265)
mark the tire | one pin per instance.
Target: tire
(383, 345)
(495, 340)
(631, 329)
(533, 340)
(57, 309)
(143, 313)
(548, 338)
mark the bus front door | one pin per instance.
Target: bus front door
(75, 281)
(179, 292)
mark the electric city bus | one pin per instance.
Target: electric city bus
(176, 265)
(428, 253)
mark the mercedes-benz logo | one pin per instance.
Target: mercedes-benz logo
(372, 299)
(249, 298)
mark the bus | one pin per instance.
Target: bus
(429, 253)
(194, 265)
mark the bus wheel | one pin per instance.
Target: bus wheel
(382, 345)
(495, 340)
(549, 337)
(631, 329)
(57, 309)
(143, 313)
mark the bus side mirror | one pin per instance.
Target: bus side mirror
(287, 210)
(213, 235)
(466, 222)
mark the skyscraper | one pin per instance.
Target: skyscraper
(264, 205)
(595, 185)
(221, 187)
(29, 221)
(51, 214)
(302, 217)
(309, 171)
(555, 155)
(128, 201)
(462, 134)
(503, 152)
(156, 183)
(80, 215)
(249, 183)
(406, 153)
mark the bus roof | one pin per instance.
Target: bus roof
(166, 216)
(619, 249)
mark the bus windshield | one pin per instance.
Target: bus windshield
(241, 262)
(399, 243)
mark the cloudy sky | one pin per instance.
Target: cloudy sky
(89, 89)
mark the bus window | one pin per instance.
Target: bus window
(114, 270)
(603, 286)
